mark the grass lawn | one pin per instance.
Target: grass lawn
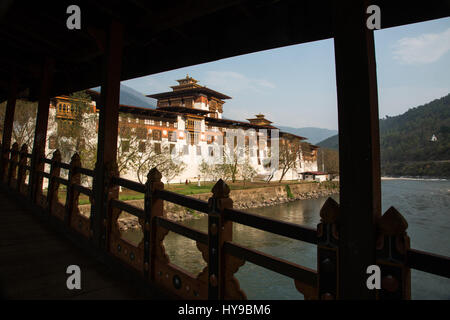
(185, 189)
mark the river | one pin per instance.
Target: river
(424, 203)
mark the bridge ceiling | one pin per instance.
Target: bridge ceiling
(164, 35)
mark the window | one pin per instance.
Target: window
(156, 135)
(167, 123)
(160, 123)
(125, 145)
(199, 150)
(175, 125)
(142, 146)
(171, 147)
(185, 149)
(141, 133)
(173, 136)
(125, 131)
(210, 150)
(157, 148)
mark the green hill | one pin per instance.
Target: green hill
(405, 141)
(330, 143)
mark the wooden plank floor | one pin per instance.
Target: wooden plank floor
(34, 259)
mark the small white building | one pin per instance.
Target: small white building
(315, 176)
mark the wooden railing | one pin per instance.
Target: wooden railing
(223, 257)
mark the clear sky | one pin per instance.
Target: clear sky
(296, 86)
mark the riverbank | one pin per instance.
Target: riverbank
(242, 199)
(415, 178)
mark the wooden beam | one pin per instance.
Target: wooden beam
(359, 147)
(8, 126)
(40, 135)
(107, 127)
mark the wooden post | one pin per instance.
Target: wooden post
(7, 128)
(219, 231)
(53, 184)
(392, 247)
(110, 192)
(40, 134)
(21, 172)
(107, 127)
(359, 147)
(154, 207)
(12, 170)
(328, 251)
(72, 194)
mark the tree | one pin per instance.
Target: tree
(77, 133)
(24, 121)
(170, 165)
(328, 160)
(128, 153)
(235, 152)
(247, 171)
(289, 154)
(171, 169)
(205, 169)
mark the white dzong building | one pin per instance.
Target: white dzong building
(189, 119)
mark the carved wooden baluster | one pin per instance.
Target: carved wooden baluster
(221, 268)
(154, 207)
(391, 250)
(21, 172)
(13, 164)
(72, 194)
(53, 184)
(111, 192)
(3, 163)
(328, 252)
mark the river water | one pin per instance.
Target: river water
(425, 204)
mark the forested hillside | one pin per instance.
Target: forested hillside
(405, 140)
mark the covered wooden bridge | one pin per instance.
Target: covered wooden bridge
(119, 40)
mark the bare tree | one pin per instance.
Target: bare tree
(170, 165)
(24, 122)
(247, 170)
(128, 153)
(328, 160)
(205, 170)
(171, 169)
(78, 133)
(289, 155)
